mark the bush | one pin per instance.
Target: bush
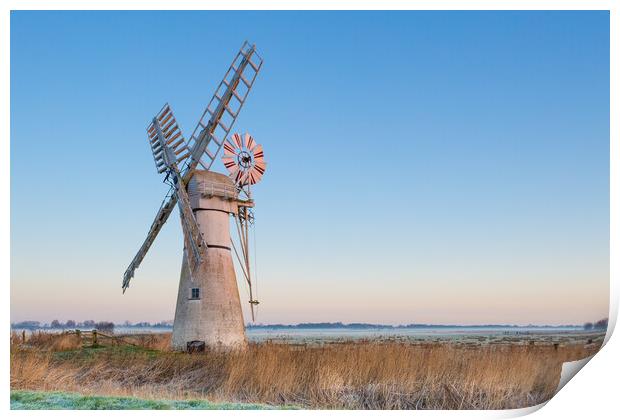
(105, 326)
(601, 324)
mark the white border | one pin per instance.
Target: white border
(592, 396)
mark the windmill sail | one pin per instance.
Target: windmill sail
(171, 138)
(193, 237)
(160, 219)
(221, 113)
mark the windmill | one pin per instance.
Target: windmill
(208, 310)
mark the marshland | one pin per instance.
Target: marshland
(510, 371)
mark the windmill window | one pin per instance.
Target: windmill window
(195, 293)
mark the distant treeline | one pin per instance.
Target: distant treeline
(88, 324)
(365, 326)
(109, 326)
(598, 325)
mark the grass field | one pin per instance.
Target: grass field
(38, 400)
(353, 375)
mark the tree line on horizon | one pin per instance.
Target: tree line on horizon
(109, 326)
(88, 324)
(598, 325)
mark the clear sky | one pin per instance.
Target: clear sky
(433, 167)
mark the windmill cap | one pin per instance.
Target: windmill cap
(213, 184)
(206, 176)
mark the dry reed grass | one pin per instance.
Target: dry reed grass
(46, 341)
(353, 375)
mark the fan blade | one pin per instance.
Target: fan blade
(240, 177)
(229, 148)
(260, 167)
(231, 165)
(238, 140)
(249, 142)
(258, 152)
(255, 176)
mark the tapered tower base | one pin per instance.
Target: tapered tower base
(208, 306)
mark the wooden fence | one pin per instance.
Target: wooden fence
(89, 338)
(94, 338)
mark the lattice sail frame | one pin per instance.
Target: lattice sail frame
(244, 159)
(172, 138)
(221, 113)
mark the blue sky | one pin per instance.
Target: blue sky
(446, 167)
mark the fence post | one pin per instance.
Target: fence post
(94, 338)
(23, 336)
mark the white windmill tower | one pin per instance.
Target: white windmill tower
(208, 310)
